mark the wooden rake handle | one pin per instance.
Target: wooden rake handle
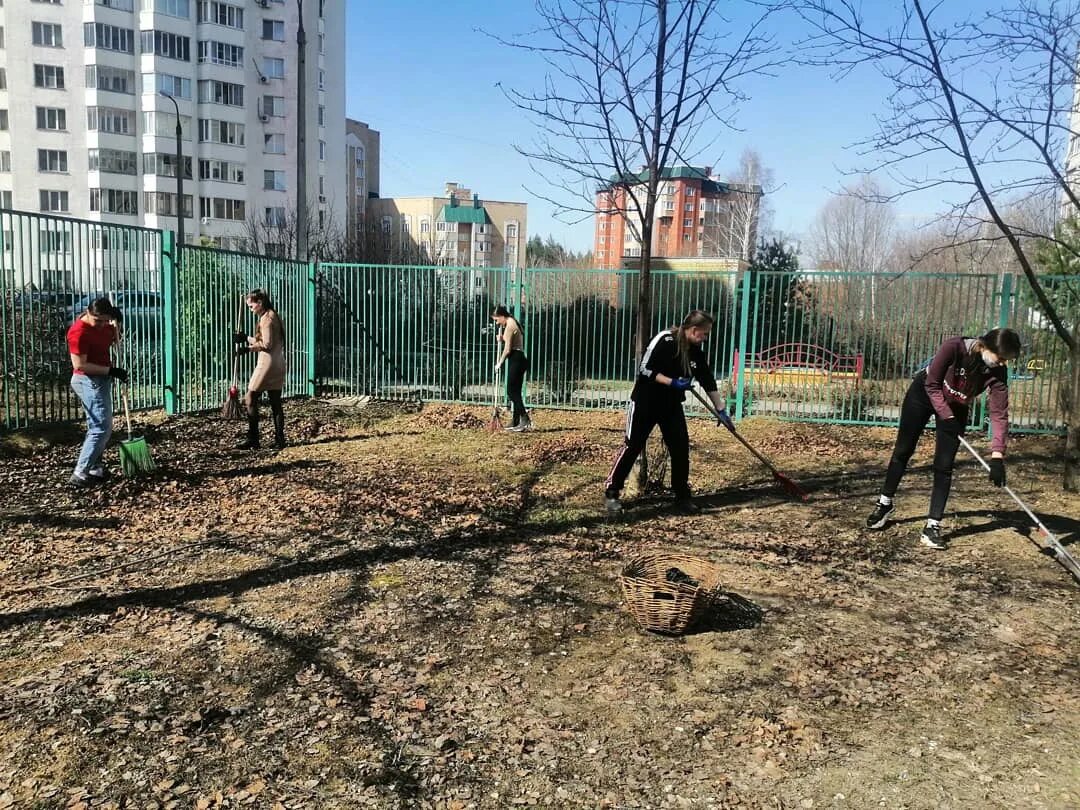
(709, 407)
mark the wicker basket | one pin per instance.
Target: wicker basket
(668, 607)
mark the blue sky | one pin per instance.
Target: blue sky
(424, 76)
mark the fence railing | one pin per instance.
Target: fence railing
(812, 345)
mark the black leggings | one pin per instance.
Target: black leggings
(275, 402)
(516, 366)
(915, 413)
(641, 418)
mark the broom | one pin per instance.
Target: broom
(790, 487)
(231, 410)
(134, 453)
(494, 424)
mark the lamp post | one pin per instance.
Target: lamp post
(179, 173)
(301, 137)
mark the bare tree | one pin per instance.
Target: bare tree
(629, 89)
(988, 100)
(751, 213)
(274, 231)
(854, 229)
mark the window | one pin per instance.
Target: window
(224, 171)
(690, 191)
(274, 180)
(274, 216)
(51, 160)
(212, 130)
(113, 79)
(686, 237)
(273, 68)
(174, 8)
(322, 150)
(53, 200)
(119, 5)
(5, 202)
(221, 208)
(274, 144)
(54, 241)
(220, 53)
(169, 46)
(112, 161)
(511, 231)
(387, 224)
(687, 223)
(215, 13)
(47, 35)
(163, 164)
(274, 30)
(322, 116)
(5, 161)
(110, 119)
(215, 92)
(3, 78)
(52, 118)
(1, 36)
(425, 226)
(322, 44)
(273, 105)
(322, 79)
(163, 203)
(175, 86)
(49, 76)
(3, 120)
(163, 124)
(108, 37)
(114, 201)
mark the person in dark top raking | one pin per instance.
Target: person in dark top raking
(670, 364)
(961, 370)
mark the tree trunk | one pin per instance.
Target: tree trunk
(1072, 419)
(644, 323)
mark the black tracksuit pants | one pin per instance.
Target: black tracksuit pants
(516, 366)
(915, 413)
(641, 418)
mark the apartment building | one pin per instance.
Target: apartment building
(85, 130)
(456, 229)
(697, 215)
(362, 173)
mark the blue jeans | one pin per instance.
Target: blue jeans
(95, 394)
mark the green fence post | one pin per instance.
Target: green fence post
(312, 313)
(170, 302)
(1006, 300)
(743, 338)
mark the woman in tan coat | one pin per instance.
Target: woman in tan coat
(269, 373)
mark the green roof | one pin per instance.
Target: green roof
(674, 173)
(462, 213)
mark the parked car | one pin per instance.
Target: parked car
(141, 308)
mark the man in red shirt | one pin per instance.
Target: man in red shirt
(89, 341)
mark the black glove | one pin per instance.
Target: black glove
(118, 373)
(952, 427)
(239, 350)
(997, 471)
(240, 337)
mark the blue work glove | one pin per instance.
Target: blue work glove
(997, 471)
(682, 383)
(722, 418)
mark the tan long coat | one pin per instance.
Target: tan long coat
(269, 342)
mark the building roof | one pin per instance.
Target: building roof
(460, 213)
(674, 173)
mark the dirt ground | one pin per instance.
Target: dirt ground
(399, 610)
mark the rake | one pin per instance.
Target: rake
(231, 410)
(1053, 545)
(495, 424)
(789, 486)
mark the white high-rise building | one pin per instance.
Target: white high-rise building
(86, 132)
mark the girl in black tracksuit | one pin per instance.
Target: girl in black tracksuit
(672, 360)
(961, 370)
(517, 364)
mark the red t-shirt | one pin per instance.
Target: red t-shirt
(92, 340)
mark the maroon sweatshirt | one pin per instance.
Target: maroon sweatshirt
(946, 383)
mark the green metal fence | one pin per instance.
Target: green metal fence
(50, 269)
(813, 345)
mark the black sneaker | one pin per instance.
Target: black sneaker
(686, 506)
(82, 482)
(880, 516)
(612, 502)
(931, 538)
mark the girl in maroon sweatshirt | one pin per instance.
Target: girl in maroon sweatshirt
(961, 370)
